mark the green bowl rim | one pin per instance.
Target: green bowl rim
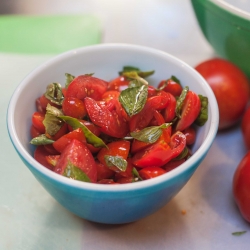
(227, 12)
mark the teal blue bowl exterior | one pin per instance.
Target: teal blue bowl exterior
(109, 204)
(114, 207)
(227, 32)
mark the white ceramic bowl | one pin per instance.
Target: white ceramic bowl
(108, 203)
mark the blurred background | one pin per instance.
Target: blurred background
(162, 24)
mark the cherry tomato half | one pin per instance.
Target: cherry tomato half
(189, 111)
(79, 155)
(86, 85)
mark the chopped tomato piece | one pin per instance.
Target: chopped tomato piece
(78, 154)
(74, 107)
(110, 122)
(63, 141)
(161, 152)
(190, 110)
(151, 172)
(87, 86)
(37, 121)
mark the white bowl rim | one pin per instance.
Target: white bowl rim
(201, 151)
(232, 9)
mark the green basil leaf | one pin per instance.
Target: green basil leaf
(117, 161)
(51, 121)
(180, 101)
(69, 79)
(54, 93)
(129, 69)
(175, 79)
(136, 175)
(182, 155)
(133, 75)
(41, 140)
(239, 233)
(149, 134)
(203, 115)
(142, 74)
(134, 99)
(53, 110)
(90, 137)
(75, 173)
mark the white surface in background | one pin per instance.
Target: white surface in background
(31, 219)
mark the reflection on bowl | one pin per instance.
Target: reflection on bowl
(226, 26)
(109, 203)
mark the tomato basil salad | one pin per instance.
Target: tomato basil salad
(118, 131)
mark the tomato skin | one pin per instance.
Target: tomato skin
(120, 83)
(169, 111)
(110, 122)
(86, 85)
(173, 164)
(74, 107)
(190, 134)
(44, 101)
(34, 132)
(125, 180)
(107, 181)
(162, 151)
(241, 187)
(245, 127)
(142, 119)
(103, 172)
(128, 173)
(151, 172)
(37, 121)
(116, 148)
(79, 155)
(39, 107)
(62, 131)
(40, 155)
(110, 94)
(190, 111)
(171, 86)
(63, 141)
(230, 86)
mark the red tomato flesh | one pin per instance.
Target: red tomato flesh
(79, 155)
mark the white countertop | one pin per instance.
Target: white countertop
(31, 219)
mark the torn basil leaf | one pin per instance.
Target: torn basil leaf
(180, 101)
(175, 79)
(69, 79)
(90, 137)
(41, 140)
(239, 233)
(75, 173)
(150, 134)
(203, 115)
(142, 74)
(135, 78)
(51, 121)
(182, 155)
(117, 161)
(54, 93)
(134, 99)
(136, 175)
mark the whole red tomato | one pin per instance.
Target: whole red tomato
(241, 186)
(245, 127)
(230, 86)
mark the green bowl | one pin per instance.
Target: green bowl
(226, 26)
